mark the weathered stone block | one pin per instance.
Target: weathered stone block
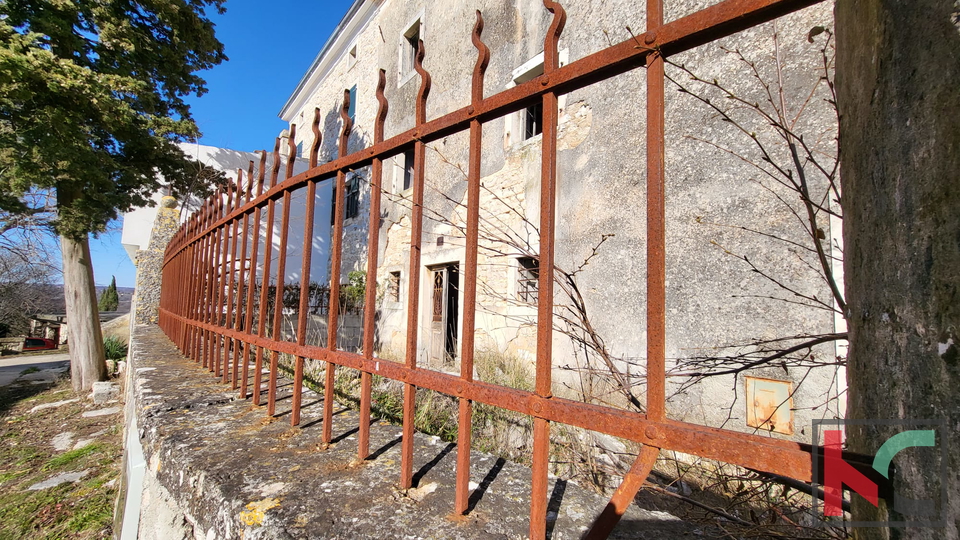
(104, 392)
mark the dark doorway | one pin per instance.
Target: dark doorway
(445, 306)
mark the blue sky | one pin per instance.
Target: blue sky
(270, 45)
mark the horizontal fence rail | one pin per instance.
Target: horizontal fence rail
(208, 304)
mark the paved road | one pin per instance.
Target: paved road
(49, 365)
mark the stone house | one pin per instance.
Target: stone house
(741, 274)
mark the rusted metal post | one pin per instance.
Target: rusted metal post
(373, 248)
(548, 205)
(265, 286)
(464, 422)
(277, 333)
(251, 289)
(656, 231)
(413, 304)
(239, 316)
(230, 265)
(303, 314)
(333, 312)
(212, 254)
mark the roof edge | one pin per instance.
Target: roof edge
(328, 47)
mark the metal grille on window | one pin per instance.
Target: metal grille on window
(393, 287)
(529, 273)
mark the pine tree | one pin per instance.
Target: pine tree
(91, 110)
(109, 299)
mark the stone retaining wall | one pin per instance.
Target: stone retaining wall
(218, 467)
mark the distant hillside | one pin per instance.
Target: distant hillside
(55, 304)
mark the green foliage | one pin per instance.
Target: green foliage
(115, 348)
(92, 102)
(352, 295)
(109, 300)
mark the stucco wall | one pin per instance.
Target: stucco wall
(719, 205)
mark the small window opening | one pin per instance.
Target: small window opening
(353, 198)
(411, 40)
(352, 108)
(352, 56)
(533, 121)
(300, 149)
(528, 276)
(531, 118)
(393, 287)
(407, 169)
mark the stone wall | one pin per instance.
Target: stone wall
(150, 262)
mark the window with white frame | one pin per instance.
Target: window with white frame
(528, 122)
(352, 56)
(409, 43)
(352, 107)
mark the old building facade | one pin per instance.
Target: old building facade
(742, 272)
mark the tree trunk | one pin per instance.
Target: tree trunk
(87, 362)
(898, 82)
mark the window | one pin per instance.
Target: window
(527, 276)
(352, 57)
(527, 123)
(393, 287)
(300, 149)
(407, 169)
(352, 108)
(408, 51)
(353, 198)
(533, 121)
(532, 116)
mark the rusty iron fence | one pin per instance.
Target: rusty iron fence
(208, 305)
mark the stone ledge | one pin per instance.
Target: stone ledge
(219, 468)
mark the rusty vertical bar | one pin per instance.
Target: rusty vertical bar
(335, 262)
(206, 300)
(251, 288)
(632, 482)
(413, 297)
(193, 293)
(209, 290)
(231, 288)
(216, 291)
(656, 229)
(548, 205)
(240, 314)
(265, 286)
(222, 291)
(203, 304)
(373, 252)
(303, 313)
(183, 283)
(281, 270)
(197, 283)
(201, 280)
(464, 423)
